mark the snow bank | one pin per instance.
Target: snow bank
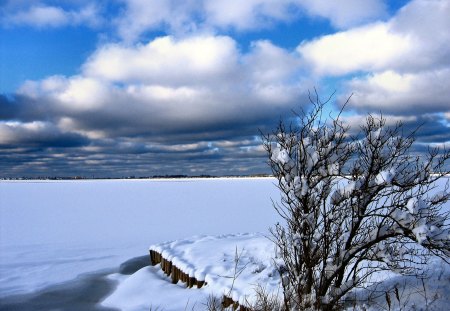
(408, 292)
(230, 265)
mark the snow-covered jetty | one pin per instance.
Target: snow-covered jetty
(229, 266)
(173, 271)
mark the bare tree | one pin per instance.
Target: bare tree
(352, 206)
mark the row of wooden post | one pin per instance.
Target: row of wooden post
(173, 271)
(178, 275)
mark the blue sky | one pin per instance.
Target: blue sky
(151, 87)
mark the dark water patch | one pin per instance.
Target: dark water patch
(84, 293)
(134, 264)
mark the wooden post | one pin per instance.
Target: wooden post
(173, 271)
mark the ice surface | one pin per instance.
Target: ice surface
(51, 231)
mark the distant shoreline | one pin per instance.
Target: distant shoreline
(169, 177)
(156, 178)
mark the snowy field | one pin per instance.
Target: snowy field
(51, 232)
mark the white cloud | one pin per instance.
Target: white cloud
(408, 93)
(87, 15)
(188, 16)
(367, 48)
(73, 94)
(171, 84)
(426, 23)
(248, 14)
(400, 66)
(346, 13)
(165, 60)
(41, 16)
(271, 64)
(415, 39)
(141, 15)
(81, 93)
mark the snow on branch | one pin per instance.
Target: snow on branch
(352, 206)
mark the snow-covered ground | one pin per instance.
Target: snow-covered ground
(50, 232)
(231, 265)
(213, 259)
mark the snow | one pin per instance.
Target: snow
(52, 231)
(414, 205)
(300, 186)
(421, 233)
(432, 294)
(149, 288)
(385, 177)
(283, 157)
(404, 218)
(29, 268)
(231, 265)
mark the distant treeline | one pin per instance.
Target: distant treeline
(132, 177)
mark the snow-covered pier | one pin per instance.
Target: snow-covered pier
(226, 266)
(173, 271)
(177, 275)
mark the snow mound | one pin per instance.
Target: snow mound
(231, 265)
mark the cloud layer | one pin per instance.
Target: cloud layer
(183, 101)
(191, 100)
(44, 16)
(202, 15)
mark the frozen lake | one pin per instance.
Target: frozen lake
(52, 231)
(55, 234)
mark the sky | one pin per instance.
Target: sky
(116, 88)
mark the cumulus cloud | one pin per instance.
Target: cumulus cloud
(347, 13)
(190, 16)
(166, 61)
(180, 102)
(140, 16)
(184, 17)
(270, 64)
(186, 97)
(399, 66)
(365, 48)
(408, 93)
(248, 14)
(424, 23)
(193, 16)
(41, 15)
(173, 85)
(411, 40)
(196, 81)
